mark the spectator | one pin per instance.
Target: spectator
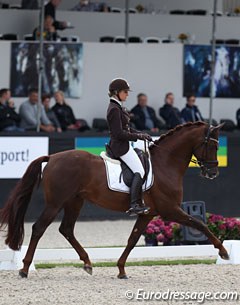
(64, 112)
(170, 114)
(191, 112)
(144, 116)
(50, 9)
(89, 6)
(30, 4)
(50, 113)
(49, 31)
(29, 114)
(238, 118)
(9, 119)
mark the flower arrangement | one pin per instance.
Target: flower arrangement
(182, 37)
(164, 232)
(223, 228)
(171, 233)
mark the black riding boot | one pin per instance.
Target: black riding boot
(137, 204)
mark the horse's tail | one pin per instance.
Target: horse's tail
(14, 210)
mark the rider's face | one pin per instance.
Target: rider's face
(123, 94)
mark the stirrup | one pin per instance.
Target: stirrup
(138, 210)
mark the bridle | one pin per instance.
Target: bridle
(204, 163)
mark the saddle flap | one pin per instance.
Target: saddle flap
(127, 173)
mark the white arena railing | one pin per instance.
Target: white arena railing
(12, 260)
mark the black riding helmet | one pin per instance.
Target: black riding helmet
(117, 85)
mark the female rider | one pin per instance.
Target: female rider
(120, 135)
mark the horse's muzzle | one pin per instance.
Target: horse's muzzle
(209, 173)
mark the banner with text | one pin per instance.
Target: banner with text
(16, 153)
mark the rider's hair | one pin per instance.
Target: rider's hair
(112, 93)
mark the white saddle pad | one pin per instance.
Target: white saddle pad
(114, 170)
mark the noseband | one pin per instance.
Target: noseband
(204, 163)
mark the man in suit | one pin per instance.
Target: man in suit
(190, 112)
(144, 116)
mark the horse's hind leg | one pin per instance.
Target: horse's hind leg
(71, 212)
(38, 229)
(138, 229)
(187, 220)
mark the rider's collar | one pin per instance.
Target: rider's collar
(116, 100)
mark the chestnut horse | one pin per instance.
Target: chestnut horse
(71, 177)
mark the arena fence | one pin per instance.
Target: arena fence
(12, 260)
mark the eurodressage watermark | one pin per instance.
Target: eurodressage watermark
(200, 297)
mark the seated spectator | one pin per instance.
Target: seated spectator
(50, 9)
(29, 4)
(191, 112)
(170, 114)
(238, 118)
(144, 116)
(9, 119)
(50, 113)
(29, 114)
(49, 31)
(89, 6)
(64, 112)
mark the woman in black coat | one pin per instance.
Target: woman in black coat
(64, 112)
(120, 135)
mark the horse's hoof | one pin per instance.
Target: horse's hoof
(224, 255)
(122, 276)
(88, 269)
(23, 274)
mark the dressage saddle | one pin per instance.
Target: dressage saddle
(126, 173)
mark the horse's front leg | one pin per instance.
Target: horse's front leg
(138, 229)
(179, 216)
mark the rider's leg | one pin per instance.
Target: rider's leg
(133, 162)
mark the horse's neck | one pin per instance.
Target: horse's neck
(177, 150)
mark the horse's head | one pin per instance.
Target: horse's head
(206, 153)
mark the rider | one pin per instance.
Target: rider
(120, 135)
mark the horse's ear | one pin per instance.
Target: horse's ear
(217, 128)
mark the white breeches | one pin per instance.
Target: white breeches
(133, 162)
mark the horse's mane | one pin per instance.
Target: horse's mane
(174, 130)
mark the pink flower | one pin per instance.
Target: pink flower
(168, 233)
(222, 226)
(215, 218)
(160, 237)
(149, 231)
